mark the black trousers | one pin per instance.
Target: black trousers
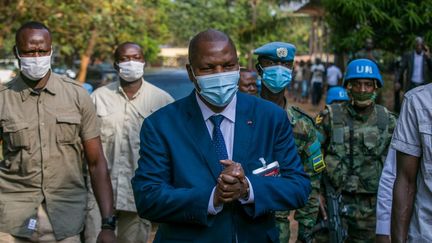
(317, 90)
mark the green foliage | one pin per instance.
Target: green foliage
(392, 24)
(250, 23)
(72, 23)
(152, 23)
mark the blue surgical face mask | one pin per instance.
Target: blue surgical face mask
(218, 89)
(276, 78)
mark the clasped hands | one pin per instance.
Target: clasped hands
(231, 184)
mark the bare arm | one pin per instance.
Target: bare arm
(101, 183)
(403, 195)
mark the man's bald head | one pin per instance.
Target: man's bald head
(125, 45)
(210, 35)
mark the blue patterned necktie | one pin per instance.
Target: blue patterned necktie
(218, 139)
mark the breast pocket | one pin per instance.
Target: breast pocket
(67, 128)
(16, 136)
(426, 137)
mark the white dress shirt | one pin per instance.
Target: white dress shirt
(385, 194)
(417, 75)
(333, 75)
(227, 128)
(121, 119)
(413, 136)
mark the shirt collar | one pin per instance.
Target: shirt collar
(228, 112)
(418, 55)
(140, 90)
(25, 91)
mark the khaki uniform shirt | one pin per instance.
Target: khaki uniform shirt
(413, 136)
(121, 124)
(42, 135)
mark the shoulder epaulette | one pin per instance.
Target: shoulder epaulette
(303, 114)
(69, 80)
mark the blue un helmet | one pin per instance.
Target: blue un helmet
(337, 93)
(363, 68)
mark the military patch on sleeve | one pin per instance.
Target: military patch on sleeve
(318, 163)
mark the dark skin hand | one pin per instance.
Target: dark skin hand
(322, 206)
(232, 184)
(101, 183)
(403, 195)
(124, 53)
(382, 239)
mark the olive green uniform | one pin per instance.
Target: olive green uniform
(309, 149)
(42, 133)
(355, 147)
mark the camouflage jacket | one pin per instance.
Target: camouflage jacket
(355, 146)
(309, 149)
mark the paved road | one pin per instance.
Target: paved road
(174, 81)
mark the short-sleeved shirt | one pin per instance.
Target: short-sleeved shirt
(333, 75)
(317, 73)
(42, 133)
(413, 136)
(121, 124)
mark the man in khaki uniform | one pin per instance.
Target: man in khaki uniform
(122, 107)
(47, 124)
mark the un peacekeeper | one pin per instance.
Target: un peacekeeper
(275, 65)
(336, 94)
(356, 138)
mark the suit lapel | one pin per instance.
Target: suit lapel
(199, 133)
(243, 130)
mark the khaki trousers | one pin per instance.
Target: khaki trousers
(44, 232)
(130, 227)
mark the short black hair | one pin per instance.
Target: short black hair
(210, 35)
(31, 25)
(116, 52)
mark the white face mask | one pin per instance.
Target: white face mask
(131, 70)
(35, 68)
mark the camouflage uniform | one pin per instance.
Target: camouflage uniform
(309, 149)
(356, 179)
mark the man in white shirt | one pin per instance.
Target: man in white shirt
(412, 194)
(122, 107)
(416, 67)
(385, 198)
(318, 71)
(334, 76)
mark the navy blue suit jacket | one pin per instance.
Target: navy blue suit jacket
(178, 169)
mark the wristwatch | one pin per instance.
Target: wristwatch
(109, 222)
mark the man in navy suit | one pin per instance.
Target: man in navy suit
(206, 170)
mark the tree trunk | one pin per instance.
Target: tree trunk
(85, 57)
